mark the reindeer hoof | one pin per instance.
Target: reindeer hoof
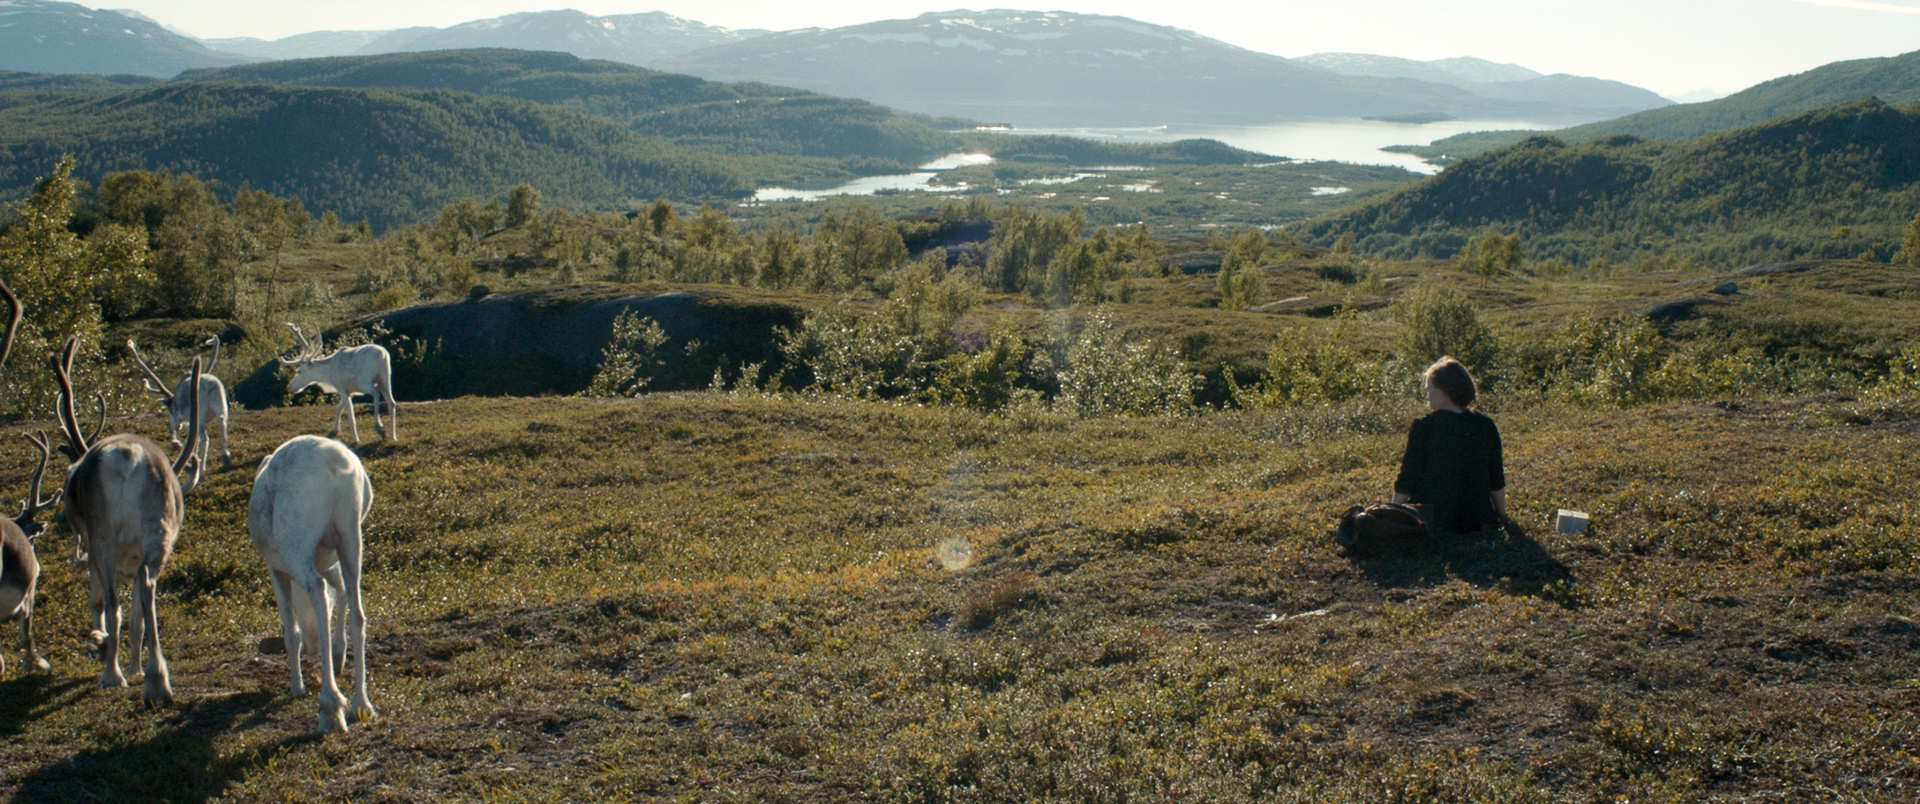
(158, 693)
(362, 713)
(112, 679)
(41, 665)
(334, 721)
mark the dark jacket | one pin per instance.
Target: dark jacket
(1453, 465)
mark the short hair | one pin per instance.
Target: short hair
(1453, 379)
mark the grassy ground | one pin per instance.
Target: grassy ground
(738, 598)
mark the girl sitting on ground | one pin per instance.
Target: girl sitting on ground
(1452, 464)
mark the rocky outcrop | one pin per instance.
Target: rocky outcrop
(530, 343)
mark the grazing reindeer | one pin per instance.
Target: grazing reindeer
(125, 503)
(355, 370)
(213, 402)
(19, 568)
(305, 514)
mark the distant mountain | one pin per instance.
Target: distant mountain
(1509, 82)
(132, 14)
(1608, 98)
(1456, 71)
(1832, 182)
(640, 39)
(1058, 68)
(394, 41)
(1894, 79)
(318, 44)
(50, 37)
(743, 119)
(393, 156)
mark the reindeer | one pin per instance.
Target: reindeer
(125, 502)
(308, 503)
(356, 370)
(19, 568)
(213, 397)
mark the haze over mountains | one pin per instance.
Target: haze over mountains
(1505, 81)
(1029, 68)
(628, 38)
(1057, 68)
(37, 36)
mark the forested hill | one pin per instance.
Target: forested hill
(736, 118)
(1892, 80)
(1833, 182)
(19, 88)
(388, 155)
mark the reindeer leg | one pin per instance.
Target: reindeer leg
(336, 607)
(337, 413)
(226, 450)
(393, 410)
(159, 687)
(376, 395)
(26, 636)
(109, 614)
(138, 623)
(346, 404)
(289, 628)
(97, 606)
(332, 705)
(106, 613)
(349, 567)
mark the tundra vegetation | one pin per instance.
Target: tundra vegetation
(1038, 514)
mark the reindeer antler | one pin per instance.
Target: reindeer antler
(193, 434)
(100, 425)
(215, 343)
(34, 503)
(13, 322)
(306, 349)
(152, 380)
(63, 374)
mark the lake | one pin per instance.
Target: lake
(917, 180)
(1355, 141)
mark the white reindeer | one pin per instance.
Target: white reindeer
(355, 370)
(308, 503)
(213, 402)
(19, 568)
(125, 502)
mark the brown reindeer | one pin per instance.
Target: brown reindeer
(19, 567)
(125, 502)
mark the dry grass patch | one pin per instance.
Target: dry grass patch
(738, 598)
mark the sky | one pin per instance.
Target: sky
(1673, 47)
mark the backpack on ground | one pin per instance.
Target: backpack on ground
(1381, 530)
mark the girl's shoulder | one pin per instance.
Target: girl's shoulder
(1467, 419)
